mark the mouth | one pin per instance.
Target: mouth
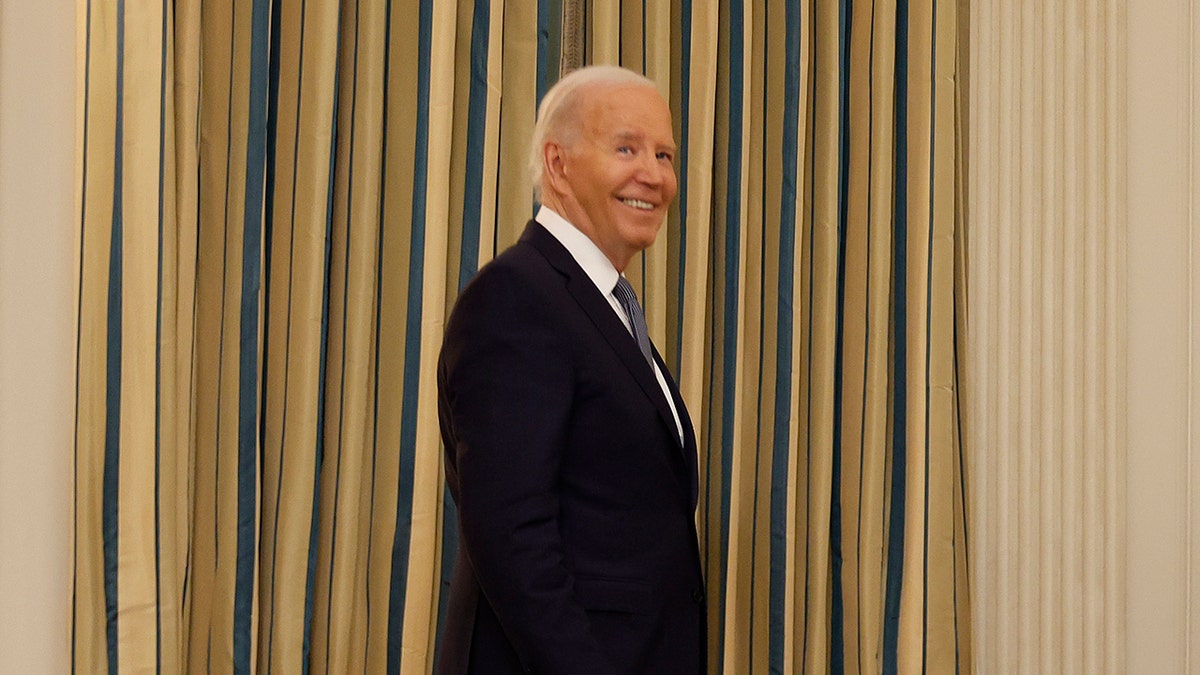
(638, 204)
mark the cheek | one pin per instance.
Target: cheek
(670, 185)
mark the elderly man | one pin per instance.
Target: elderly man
(569, 451)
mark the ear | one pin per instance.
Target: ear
(554, 162)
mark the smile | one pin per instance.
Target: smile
(638, 204)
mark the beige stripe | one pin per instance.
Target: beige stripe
(854, 328)
(739, 608)
(605, 36)
(212, 577)
(823, 326)
(346, 493)
(943, 422)
(876, 432)
(695, 340)
(772, 36)
(911, 638)
(396, 264)
(519, 101)
(491, 146)
(177, 293)
(658, 44)
(136, 573)
(693, 382)
(459, 160)
(297, 294)
(659, 294)
(99, 120)
(421, 595)
(630, 35)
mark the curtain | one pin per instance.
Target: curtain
(278, 203)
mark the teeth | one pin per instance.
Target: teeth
(638, 204)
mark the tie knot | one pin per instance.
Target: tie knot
(625, 293)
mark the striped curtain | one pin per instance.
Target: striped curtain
(278, 203)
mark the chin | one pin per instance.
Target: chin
(643, 236)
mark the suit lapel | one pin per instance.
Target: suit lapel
(585, 293)
(690, 452)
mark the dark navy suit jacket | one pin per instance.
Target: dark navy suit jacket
(576, 498)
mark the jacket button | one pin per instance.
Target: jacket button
(698, 596)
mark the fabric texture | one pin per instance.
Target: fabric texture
(279, 202)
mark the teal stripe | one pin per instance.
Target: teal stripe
(961, 505)
(380, 235)
(895, 544)
(476, 140)
(248, 374)
(837, 620)
(412, 350)
(867, 339)
(112, 429)
(469, 255)
(553, 27)
(87, 92)
(268, 580)
(778, 639)
(543, 82)
(810, 234)
(543, 48)
(685, 110)
(733, 226)
(162, 145)
(643, 49)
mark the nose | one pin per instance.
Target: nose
(650, 170)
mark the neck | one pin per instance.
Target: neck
(578, 219)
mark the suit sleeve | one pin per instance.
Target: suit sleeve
(506, 384)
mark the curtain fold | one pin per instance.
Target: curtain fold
(279, 201)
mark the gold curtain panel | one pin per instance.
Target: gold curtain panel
(277, 210)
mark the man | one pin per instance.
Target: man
(569, 451)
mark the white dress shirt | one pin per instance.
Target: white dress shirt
(602, 273)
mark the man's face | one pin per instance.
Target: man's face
(619, 173)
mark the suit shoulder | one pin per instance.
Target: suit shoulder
(518, 284)
(519, 269)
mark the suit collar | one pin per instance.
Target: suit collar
(588, 296)
(585, 251)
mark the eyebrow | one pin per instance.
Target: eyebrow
(622, 136)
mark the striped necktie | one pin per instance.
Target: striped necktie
(637, 320)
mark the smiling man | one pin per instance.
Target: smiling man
(569, 452)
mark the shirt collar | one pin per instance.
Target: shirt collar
(585, 252)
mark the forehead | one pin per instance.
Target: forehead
(628, 111)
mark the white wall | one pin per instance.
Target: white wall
(1085, 327)
(1162, 261)
(37, 138)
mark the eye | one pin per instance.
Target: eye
(665, 156)
(624, 150)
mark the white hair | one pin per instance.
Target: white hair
(558, 115)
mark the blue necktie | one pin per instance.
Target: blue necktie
(637, 320)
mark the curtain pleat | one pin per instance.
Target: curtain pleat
(279, 201)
